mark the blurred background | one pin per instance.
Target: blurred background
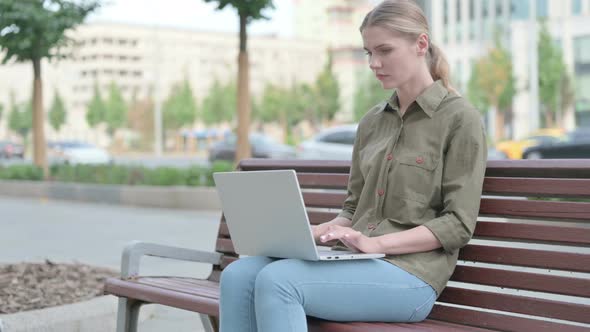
(155, 82)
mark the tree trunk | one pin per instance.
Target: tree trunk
(499, 124)
(39, 157)
(548, 118)
(243, 143)
(284, 126)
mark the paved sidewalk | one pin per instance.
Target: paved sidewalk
(33, 230)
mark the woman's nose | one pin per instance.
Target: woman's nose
(374, 63)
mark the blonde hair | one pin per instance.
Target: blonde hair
(407, 18)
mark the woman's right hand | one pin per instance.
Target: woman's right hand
(321, 229)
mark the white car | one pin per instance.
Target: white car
(77, 153)
(333, 143)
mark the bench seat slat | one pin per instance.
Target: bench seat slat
(324, 200)
(519, 304)
(522, 231)
(536, 187)
(154, 294)
(522, 280)
(534, 209)
(303, 166)
(544, 259)
(499, 322)
(546, 168)
(317, 325)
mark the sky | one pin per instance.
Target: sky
(194, 14)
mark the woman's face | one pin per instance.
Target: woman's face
(392, 58)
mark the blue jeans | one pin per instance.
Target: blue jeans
(265, 294)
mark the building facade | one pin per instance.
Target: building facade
(150, 60)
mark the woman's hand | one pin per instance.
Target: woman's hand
(321, 229)
(354, 240)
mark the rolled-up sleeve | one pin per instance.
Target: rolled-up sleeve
(462, 181)
(355, 182)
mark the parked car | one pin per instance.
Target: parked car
(495, 154)
(514, 149)
(334, 143)
(576, 144)
(262, 147)
(72, 152)
(10, 150)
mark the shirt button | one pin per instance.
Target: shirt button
(371, 226)
(389, 156)
(380, 192)
(420, 160)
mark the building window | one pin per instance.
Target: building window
(519, 9)
(582, 50)
(542, 8)
(576, 7)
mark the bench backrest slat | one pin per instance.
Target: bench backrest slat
(522, 280)
(543, 259)
(518, 304)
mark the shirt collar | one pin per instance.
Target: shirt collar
(428, 101)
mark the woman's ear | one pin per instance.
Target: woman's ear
(422, 44)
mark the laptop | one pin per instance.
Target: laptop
(266, 216)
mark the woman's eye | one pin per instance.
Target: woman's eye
(367, 53)
(386, 51)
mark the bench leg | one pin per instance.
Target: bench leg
(210, 324)
(127, 315)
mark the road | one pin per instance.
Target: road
(35, 230)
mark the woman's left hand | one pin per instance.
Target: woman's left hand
(354, 240)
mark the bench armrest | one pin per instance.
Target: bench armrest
(135, 250)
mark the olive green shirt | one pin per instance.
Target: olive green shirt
(423, 168)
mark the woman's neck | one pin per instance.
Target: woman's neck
(408, 92)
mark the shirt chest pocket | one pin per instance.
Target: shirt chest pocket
(414, 177)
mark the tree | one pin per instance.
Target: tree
(115, 110)
(31, 31)
(96, 112)
(220, 104)
(492, 84)
(248, 11)
(554, 85)
(180, 108)
(20, 118)
(280, 105)
(57, 113)
(327, 93)
(141, 119)
(369, 93)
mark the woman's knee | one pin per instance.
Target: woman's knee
(243, 270)
(278, 278)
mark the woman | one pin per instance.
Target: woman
(413, 194)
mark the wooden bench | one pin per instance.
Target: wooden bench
(527, 268)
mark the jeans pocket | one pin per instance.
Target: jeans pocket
(422, 311)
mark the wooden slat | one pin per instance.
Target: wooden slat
(318, 217)
(225, 246)
(429, 325)
(192, 301)
(324, 200)
(223, 230)
(545, 168)
(537, 187)
(545, 259)
(522, 280)
(518, 304)
(534, 209)
(322, 180)
(499, 322)
(226, 260)
(533, 232)
(306, 166)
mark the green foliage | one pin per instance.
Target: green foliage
(369, 93)
(220, 104)
(181, 107)
(57, 113)
(327, 93)
(35, 29)
(20, 119)
(552, 72)
(134, 175)
(251, 9)
(492, 81)
(96, 112)
(116, 110)
(21, 172)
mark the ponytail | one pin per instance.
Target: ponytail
(439, 67)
